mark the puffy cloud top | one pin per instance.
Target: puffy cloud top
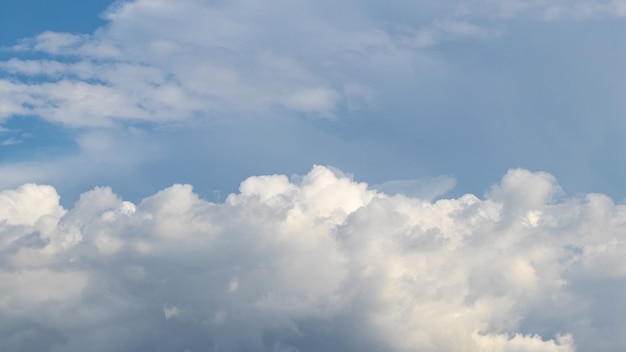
(29, 203)
(311, 263)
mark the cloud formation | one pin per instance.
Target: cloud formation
(318, 262)
(165, 61)
(538, 81)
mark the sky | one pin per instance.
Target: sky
(204, 175)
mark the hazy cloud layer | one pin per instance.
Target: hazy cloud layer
(318, 262)
(161, 60)
(462, 88)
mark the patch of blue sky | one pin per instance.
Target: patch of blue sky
(28, 18)
(30, 138)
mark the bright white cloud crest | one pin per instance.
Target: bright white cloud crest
(319, 262)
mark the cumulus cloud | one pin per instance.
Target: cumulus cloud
(318, 262)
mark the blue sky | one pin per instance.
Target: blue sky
(22, 19)
(405, 126)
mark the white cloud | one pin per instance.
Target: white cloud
(29, 203)
(426, 188)
(320, 259)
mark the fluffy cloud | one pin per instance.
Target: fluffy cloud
(318, 262)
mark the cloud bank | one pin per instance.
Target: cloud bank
(316, 262)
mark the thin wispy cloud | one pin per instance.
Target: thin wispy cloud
(163, 61)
